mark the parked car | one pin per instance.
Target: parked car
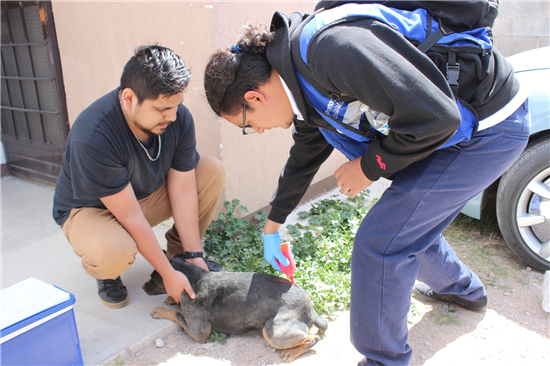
(523, 191)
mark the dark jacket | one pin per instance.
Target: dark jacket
(388, 73)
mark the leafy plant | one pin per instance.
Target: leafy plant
(321, 248)
(221, 338)
(236, 243)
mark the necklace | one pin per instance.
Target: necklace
(138, 140)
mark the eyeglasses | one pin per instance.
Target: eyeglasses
(247, 129)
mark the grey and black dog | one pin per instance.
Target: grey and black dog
(237, 303)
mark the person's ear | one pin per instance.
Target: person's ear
(254, 96)
(128, 98)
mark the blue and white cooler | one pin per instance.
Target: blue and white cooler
(38, 325)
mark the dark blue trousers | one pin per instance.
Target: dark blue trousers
(400, 238)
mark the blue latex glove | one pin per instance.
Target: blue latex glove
(272, 251)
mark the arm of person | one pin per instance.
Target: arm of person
(126, 209)
(182, 192)
(309, 151)
(271, 227)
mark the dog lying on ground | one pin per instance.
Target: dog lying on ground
(237, 303)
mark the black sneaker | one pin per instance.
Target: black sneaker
(424, 292)
(113, 293)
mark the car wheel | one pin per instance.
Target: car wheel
(523, 205)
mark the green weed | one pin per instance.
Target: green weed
(413, 312)
(118, 362)
(235, 242)
(321, 248)
(221, 338)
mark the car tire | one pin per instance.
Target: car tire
(523, 205)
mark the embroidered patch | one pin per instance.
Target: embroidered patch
(380, 163)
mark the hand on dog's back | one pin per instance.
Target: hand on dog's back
(183, 270)
(176, 283)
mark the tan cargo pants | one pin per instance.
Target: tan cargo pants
(105, 246)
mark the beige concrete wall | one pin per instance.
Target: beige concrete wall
(97, 38)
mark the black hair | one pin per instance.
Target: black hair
(233, 71)
(153, 71)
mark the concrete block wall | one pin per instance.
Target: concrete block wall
(522, 25)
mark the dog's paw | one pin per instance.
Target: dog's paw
(170, 301)
(159, 313)
(289, 355)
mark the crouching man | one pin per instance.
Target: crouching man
(130, 163)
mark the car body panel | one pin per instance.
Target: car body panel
(535, 59)
(539, 101)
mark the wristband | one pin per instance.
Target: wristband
(190, 255)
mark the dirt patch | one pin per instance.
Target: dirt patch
(514, 331)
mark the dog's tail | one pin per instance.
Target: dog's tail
(321, 324)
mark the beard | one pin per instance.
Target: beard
(149, 131)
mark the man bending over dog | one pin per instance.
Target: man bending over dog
(130, 163)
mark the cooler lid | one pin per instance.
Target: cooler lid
(28, 298)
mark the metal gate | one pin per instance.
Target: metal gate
(33, 109)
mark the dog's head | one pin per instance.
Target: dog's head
(155, 286)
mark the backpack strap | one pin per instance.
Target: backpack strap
(432, 38)
(452, 72)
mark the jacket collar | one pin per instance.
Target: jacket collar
(278, 54)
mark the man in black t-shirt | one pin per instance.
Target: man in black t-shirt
(130, 163)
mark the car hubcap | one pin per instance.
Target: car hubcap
(533, 214)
